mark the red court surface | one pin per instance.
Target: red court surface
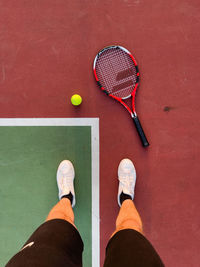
(46, 54)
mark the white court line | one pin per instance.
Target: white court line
(94, 123)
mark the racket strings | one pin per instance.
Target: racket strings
(116, 72)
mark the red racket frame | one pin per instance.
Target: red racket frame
(119, 99)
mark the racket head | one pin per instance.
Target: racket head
(116, 72)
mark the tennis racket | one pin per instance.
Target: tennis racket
(117, 74)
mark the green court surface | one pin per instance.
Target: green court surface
(29, 158)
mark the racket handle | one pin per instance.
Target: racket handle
(140, 131)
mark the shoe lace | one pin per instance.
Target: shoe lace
(127, 181)
(65, 182)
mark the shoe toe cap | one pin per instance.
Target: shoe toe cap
(126, 164)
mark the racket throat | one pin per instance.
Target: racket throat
(133, 114)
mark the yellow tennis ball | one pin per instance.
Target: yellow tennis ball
(76, 100)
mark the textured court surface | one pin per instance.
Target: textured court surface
(29, 158)
(47, 49)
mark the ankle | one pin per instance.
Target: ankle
(124, 197)
(69, 197)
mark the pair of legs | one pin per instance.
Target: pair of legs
(128, 217)
(58, 243)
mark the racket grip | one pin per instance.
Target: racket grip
(140, 131)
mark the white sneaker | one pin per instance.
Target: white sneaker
(65, 179)
(127, 178)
